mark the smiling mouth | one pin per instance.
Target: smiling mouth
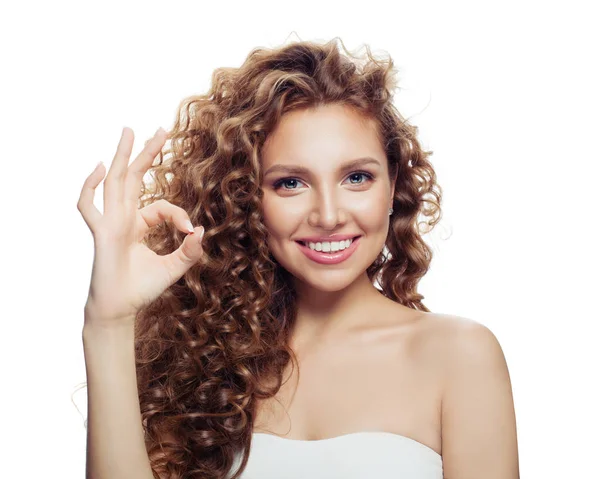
(330, 257)
(304, 243)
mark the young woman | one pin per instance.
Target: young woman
(281, 334)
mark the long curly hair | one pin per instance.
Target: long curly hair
(217, 340)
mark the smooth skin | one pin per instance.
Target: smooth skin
(126, 274)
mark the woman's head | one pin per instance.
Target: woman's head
(325, 172)
(218, 339)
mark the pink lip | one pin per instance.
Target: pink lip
(329, 258)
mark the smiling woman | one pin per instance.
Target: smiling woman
(312, 189)
(322, 199)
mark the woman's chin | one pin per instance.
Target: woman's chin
(326, 281)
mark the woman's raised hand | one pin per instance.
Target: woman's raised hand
(126, 274)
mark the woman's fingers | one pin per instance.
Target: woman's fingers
(113, 184)
(161, 211)
(190, 251)
(140, 166)
(122, 186)
(184, 257)
(85, 205)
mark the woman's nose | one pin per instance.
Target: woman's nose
(327, 213)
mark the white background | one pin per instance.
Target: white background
(505, 94)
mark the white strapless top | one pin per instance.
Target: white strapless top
(358, 455)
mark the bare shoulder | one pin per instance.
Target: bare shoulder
(445, 339)
(436, 336)
(461, 343)
(479, 437)
(439, 326)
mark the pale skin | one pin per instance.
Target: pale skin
(440, 380)
(126, 275)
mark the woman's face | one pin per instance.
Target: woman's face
(326, 196)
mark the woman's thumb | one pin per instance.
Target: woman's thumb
(187, 255)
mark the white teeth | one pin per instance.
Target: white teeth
(330, 246)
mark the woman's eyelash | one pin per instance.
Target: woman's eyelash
(280, 182)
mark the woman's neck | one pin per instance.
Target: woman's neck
(324, 316)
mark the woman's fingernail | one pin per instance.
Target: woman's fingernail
(190, 226)
(201, 235)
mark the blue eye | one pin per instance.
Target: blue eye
(359, 174)
(280, 182)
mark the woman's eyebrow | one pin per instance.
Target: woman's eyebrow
(300, 170)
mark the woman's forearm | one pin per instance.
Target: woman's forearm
(115, 437)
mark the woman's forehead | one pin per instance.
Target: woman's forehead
(321, 134)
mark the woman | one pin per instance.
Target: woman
(289, 339)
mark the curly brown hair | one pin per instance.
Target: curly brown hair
(217, 340)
